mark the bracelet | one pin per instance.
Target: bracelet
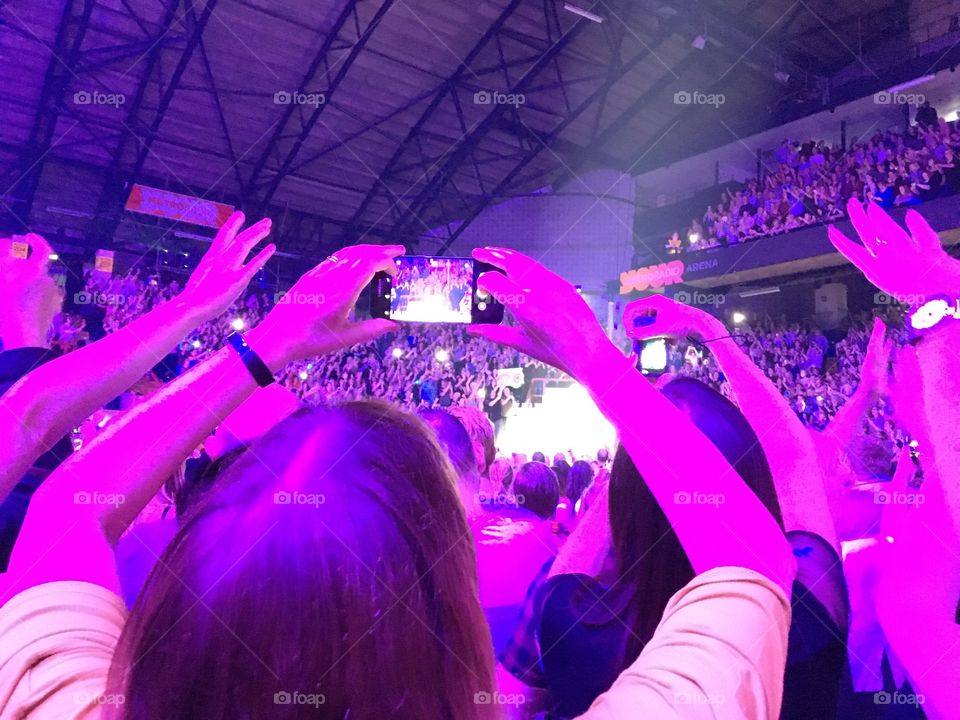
(257, 367)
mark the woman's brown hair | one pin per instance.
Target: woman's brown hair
(329, 573)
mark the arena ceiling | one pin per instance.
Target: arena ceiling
(387, 119)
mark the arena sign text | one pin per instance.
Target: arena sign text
(654, 276)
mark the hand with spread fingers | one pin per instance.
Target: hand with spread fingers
(314, 317)
(555, 324)
(909, 266)
(222, 275)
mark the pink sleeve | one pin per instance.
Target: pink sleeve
(56, 644)
(719, 652)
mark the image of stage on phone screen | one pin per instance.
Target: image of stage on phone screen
(433, 290)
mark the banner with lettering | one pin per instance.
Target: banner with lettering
(174, 206)
(654, 276)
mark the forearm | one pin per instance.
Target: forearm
(786, 442)
(125, 467)
(48, 402)
(718, 519)
(938, 358)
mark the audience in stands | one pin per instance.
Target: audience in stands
(812, 181)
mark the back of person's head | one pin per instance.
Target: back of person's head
(334, 560)
(501, 475)
(455, 441)
(562, 470)
(652, 563)
(579, 479)
(536, 487)
(538, 457)
(603, 457)
(559, 458)
(480, 430)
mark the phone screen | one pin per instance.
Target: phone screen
(653, 356)
(434, 290)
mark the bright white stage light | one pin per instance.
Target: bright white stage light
(739, 317)
(237, 323)
(441, 355)
(397, 352)
(303, 375)
(482, 393)
(195, 344)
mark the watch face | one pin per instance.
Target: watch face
(929, 314)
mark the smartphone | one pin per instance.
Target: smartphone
(435, 290)
(653, 356)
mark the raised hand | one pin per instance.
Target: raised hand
(911, 267)
(555, 324)
(671, 318)
(222, 273)
(314, 316)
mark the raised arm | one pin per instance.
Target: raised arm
(126, 466)
(786, 441)
(674, 457)
(914, 268)
(48, 402)
(920, 625)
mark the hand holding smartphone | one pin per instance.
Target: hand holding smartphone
(435, 290)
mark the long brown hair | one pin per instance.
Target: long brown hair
(652, 564)
(329, 573)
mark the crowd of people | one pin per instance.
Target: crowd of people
(441, 365)
(812, 181)
(310, 518)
